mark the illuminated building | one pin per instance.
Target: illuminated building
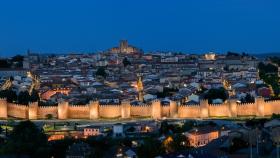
(210, 56)
(91, 131)
(124, 48)
(202, 136)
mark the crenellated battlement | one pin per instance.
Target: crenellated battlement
(245, 104)
(189, 105)
(223, 104)
(3, 108)
(78, 111)
(142, 105)
(108, 105)
(17, 110)
(94, 102)
(47, 107)
(2, 99)
(18, 105)
(165, 105)
(155, 100)
(78, 106)
(272, 101)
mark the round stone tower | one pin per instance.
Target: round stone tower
(94, 109)
(63, 110)
(33, 111)
(125, 109)
(156, 109)
(3, 108)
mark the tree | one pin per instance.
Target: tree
(34, 96)
(4, 63)
(275, 116)
(215, 94)
(229, 53)
(18, 59)
(131, 129)
(269, 74)
(101, 72)
(166, 92)
(101, 144)
(126, 62)
(248, 99)
(49, 116)
(237, 143)
(60, 147)
(23, 98)
(164, 127)
(9, 94)
(254, 123)
(188, 125)
(150, 148)
(26, 139)
(181, 142)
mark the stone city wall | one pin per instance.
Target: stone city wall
(43, 111)
(189, 111)
(17, 110)
(165, 112)
(109, 111)
(271, 107)
(78, 111)
(230, 108)
(219, 110)
(246, 109)
(140, 110)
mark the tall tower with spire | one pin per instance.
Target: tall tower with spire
(140, 88)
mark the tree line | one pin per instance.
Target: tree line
(269, 74)
(22, 97)
(16, 61)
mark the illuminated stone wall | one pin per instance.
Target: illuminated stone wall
(140, 110)
(125, 109)
(109, 111)
(246, 109)
(78, 111)
(63, 110)
(3, 108)
(271, 107)
(154, 110)
(165, 111)
(189, 111)
(173, 109)
(204, 109)
(219, 110)
(93, 109)
(33, 111)
(43, 111)
(17, 110)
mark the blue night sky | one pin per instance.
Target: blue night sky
(192, 26)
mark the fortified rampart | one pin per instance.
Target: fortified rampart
(94, 110)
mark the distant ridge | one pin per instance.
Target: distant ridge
(265, 55)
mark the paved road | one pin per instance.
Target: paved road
(83, 122)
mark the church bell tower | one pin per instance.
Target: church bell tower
(140, 88)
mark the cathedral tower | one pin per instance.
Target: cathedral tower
(140, 88)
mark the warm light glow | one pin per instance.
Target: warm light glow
(56, 137)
